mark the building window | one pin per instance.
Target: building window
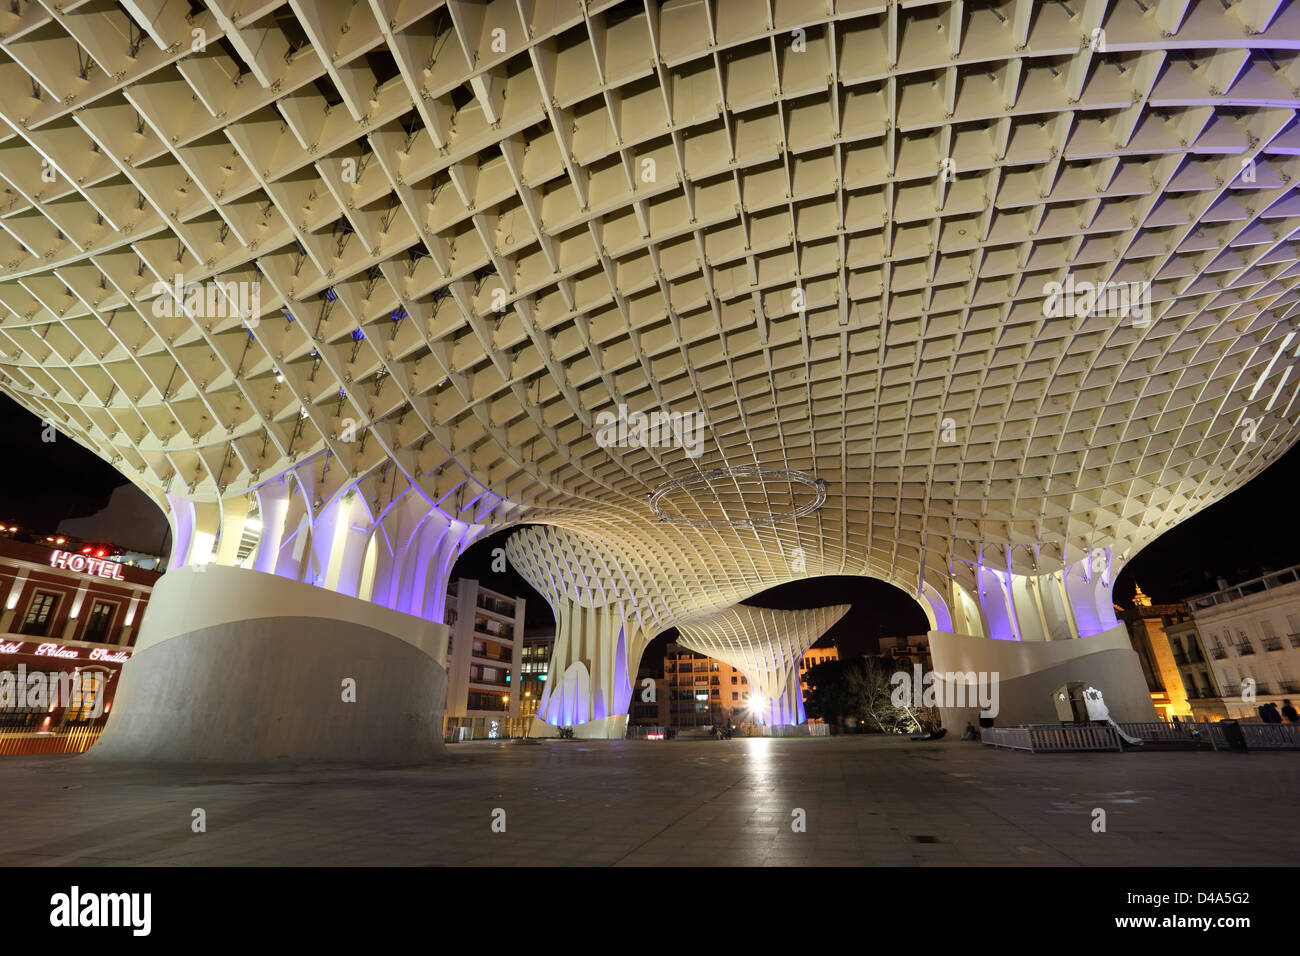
(40, 615)
(490, 702)
(82, 706)
(101, 615)
(20, 715)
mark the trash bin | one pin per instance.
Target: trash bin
(1233, 737)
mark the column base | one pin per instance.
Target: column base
(283, 689)
(607, 728)
(1029, 671)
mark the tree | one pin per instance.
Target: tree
(858, 694)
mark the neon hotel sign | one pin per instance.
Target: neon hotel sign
(84, 564)
(67, 653)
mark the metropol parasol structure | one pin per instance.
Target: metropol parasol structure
(347, 286)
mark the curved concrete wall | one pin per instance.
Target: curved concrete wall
(187, 599)
(218, 676)
(1030, 670)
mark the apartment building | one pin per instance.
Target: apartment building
(811, 658)
(702, 692)
(1251, 635)
(484, 657)
(906, 650)
(534, 669)
(651, 700)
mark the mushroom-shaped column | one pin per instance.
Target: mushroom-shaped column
(766, 646)
(598, 636)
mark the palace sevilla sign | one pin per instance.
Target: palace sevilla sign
(68, 653)
(84, 564)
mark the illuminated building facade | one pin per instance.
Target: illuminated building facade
(1200, 684)
(702, 692)
(54, 594)
(63, 612)
(1148, 625)
(811, 658)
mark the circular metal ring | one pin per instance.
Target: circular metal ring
(739, 475)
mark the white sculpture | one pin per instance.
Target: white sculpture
(1098, 711)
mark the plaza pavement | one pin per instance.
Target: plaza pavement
(867, 801)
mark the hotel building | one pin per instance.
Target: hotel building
(69, 612)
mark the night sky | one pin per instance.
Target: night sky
(1252, 530)
(41, 483)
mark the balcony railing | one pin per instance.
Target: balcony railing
(1246, 588)
(1295, 639)
(1272, 643)
(1245, 650)
(495, 606)
(1218, 653)
(495, 634)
